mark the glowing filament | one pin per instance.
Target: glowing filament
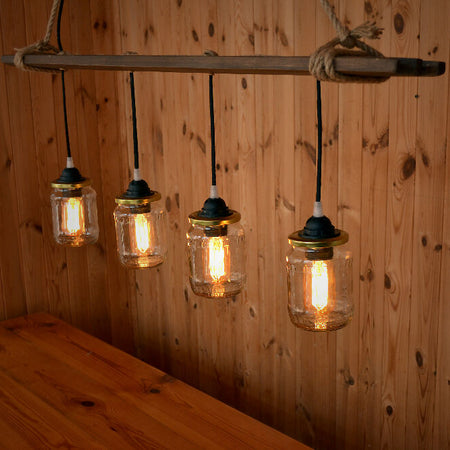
(319, 285)
(142, 233)
(218, 259)
(73, 216)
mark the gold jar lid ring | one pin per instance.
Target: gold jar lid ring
(298, 241)
(196, 219)
(123, 200)
(76, 185)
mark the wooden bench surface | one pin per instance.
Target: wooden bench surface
(60, 387)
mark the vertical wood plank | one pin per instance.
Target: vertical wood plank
(349, 219)
(23, 148)
(265, 154)
(199, 37)
(93, 305)
(399, 224)
(283, 138)
(49, 166)
(431, 147)
(441, 430)
(375, 150)
(307, 402)
(10, 257)
(248, 312)
(115, 175)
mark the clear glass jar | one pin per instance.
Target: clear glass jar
(216, 256)
(140, 232)
(319, 287)
(74, 213)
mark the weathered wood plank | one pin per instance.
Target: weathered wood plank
(275, 65)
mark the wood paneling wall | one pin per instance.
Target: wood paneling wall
(384, 381)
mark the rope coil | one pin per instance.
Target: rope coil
(321, 62)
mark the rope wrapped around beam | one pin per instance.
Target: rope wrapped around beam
(41, 47)
(321, 63)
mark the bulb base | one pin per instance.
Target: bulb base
(214, 212)
(319, 228)
(214, 208)
(70, 178)
(318, 232)
(138, 193)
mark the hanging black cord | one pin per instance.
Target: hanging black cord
(133, 110)
(60, 47)
(319, 143)
(213, 133)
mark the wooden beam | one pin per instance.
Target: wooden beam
(273, 65)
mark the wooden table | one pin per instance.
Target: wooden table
(60, 387)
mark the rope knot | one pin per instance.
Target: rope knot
(321, 63)
(349, 41)
(39, 47)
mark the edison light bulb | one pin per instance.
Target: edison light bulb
(320, 291)
(73, 216)
(140, 233)
(218, 259)
(74, 211)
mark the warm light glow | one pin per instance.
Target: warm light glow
(218, 259)
(319, 291)
(319, 285)
(142, 233)
(73, 223)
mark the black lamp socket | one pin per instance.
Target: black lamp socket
(215, 208)
(137, 189)
(70, 175)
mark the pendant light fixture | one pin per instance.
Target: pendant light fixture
(215, 240)
(139, 222)
(73, 200)
(319, 270)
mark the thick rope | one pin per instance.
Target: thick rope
(41, 47)
(321, 62)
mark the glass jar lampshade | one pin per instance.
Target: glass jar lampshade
(74, 209)
(140, 229)
(319, 277)
(216, 250)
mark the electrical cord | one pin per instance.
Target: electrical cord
(319, 143)
(213, 134)
(135, 135)
(60, 48)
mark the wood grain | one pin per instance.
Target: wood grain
(427, 239)
(275, 65)
(63, 387)
(381, 383)
(375, 158)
